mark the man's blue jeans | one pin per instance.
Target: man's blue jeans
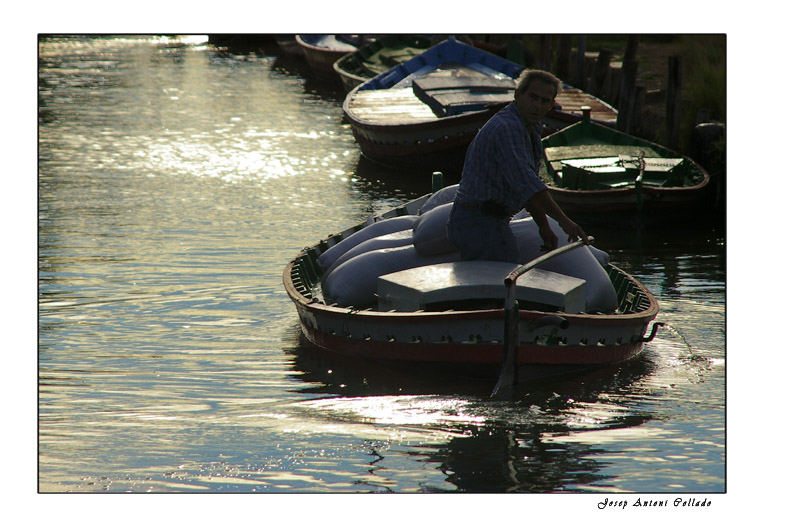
(481, 236)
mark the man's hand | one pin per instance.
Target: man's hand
(549, 238)
(573, 230)
(540, 205)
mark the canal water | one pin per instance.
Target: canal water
(177, 181)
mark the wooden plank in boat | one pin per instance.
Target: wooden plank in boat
(453, 102)
(482, 83)
(389, 106)
(588, 151)
(571, 100)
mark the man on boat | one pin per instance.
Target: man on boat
(501, 176)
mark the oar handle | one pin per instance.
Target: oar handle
(512, 277)
(508, 372)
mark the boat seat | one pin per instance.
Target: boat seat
(453, 95)
(619, 171)
(431, 286)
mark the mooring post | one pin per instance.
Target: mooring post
(586, 114)
(563, 59)
(640, 93)
(436, 181)
(601, 68)
(579, 81)
(627, 95)
(673, 101)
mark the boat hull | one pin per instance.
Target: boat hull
(289, 46)
(349, 81)
(320, 59)
(649, 200)
(403, 338)
(437, 144)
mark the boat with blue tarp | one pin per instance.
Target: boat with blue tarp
(426, 110)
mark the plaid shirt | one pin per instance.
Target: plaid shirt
(502, 162)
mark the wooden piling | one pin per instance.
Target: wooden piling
(601, 68)
(610, 89)
(627, 94)
(545, 52)
(579, 80)
(627, 87)
(562, 59)
(673, 98)
(640, 95)
(630, 49)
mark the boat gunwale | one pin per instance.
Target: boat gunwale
(305, 44)
(427, 125)
(315, 305)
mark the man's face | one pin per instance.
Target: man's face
(536, 101)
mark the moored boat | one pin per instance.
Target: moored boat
(592, 168)
(322, 51)
(425, 111)
(288, 45)
(569, 109)
(378, 56)
(451, 311)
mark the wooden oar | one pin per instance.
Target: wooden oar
(505, 383)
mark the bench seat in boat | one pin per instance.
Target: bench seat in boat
(450, 282)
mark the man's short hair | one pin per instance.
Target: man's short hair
(529, 75)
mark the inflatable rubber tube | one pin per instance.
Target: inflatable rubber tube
(580, 263)
(440, 197)
(355, 281)
(382, 227)
(392, 240)
(430, 231)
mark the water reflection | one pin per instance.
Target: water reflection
(311, 82)
(487, 447)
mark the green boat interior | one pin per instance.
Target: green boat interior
(591, 157)
(385, 53)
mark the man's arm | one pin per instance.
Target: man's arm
(541, 205)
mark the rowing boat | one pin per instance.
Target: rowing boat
(569, 109)
(592, 168)
(425, 111)
(378, 56)
(288, 45)
(322, 51)
(451, 311)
